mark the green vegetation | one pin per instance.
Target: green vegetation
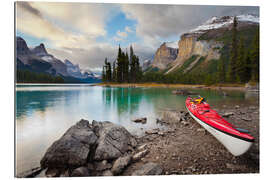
(231, 76)
(126, 68)
(25, 76)
(187, 63)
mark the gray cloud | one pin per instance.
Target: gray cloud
(163, 21)
(27, 6)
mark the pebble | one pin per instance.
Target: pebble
(228, 114)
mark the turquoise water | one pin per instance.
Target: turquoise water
(45, 112)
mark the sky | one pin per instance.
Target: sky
(86, 33)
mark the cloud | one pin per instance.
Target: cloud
(93, 57)
(70, 28)
(121, 34)
(128, 29)
(87, 18)
(155, 22)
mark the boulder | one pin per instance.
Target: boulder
(72, 149)
(148, 169)
(114, 141)
(80, 172)
(174, 116)
(120, 164)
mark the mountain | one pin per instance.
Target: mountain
(38, 60)
(164, 55)
(146, 64)
(75, 71)
(202, 47)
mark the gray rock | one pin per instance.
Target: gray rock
(72, 149)
(139, 155)
(148, 169)
(52, 172)
(185, 123)
(228, 114)
(140, 120)
(90, 166)
(152, 131)
(107, 173)
(173, 116)
(245, 118)
(80, 172)
(235, 166)
(142, 147)
(183, 92)
(120, 164)
(114, 141)
(103, 165)
(65, 174)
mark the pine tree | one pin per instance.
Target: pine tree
(137, 69)
(248, 69)
(109, 72)
(126, 68)
(114, 72)
(241, 63)
(254, 57)
(120, 65)
(103, 74)
(233, 54)
(221, 71)
(132, 65)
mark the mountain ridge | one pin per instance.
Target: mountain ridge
(38, 60)
(206, 41)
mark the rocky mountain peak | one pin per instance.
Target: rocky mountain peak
(164, 55)
(225, 21)
(21, 46)
(40, 50)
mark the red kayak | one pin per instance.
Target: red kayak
(236, 140)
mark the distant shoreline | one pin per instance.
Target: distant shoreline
(240, 87)
(60, 84)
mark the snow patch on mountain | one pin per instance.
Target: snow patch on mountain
(215, 22)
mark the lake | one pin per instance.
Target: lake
(45, 112)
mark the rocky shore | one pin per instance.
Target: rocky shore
(106, 149)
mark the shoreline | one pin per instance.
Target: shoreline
(239, 87)
(187, 148)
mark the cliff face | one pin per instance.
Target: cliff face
(189, 45)
(164, 56)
